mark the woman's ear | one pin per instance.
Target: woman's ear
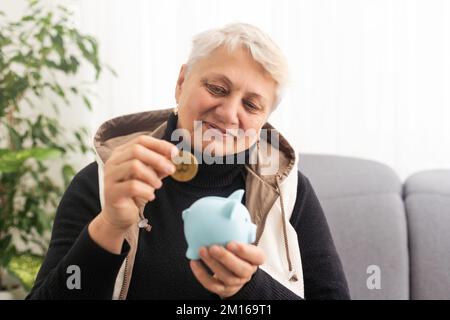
(180, 82)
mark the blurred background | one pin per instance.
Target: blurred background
(369, 79)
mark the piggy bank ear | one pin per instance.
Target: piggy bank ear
(237, 195)
(230, 209)
(183, 215)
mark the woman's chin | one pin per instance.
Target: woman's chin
(218, 148)
(221, 148)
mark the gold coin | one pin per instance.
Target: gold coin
(186, 166)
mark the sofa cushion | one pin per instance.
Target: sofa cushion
(362, 201)
(427, 200)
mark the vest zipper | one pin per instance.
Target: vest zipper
(125, 279)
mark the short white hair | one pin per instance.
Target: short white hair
(260, 46)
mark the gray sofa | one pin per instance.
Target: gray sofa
(386, 230)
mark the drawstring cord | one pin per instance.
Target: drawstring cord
(143, 222)
(292, 272)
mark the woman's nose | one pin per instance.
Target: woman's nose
(228, 112)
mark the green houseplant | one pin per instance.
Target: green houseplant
(41, 56)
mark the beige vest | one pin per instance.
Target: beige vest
(271, 191)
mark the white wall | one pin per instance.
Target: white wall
(370, 78)
(13, 8)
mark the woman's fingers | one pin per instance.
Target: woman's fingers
(248, 252)
(220, 272)
(162, 147)
(131, 174)
(231, 272)
(134, 169)
(205, 279)
(133, 189)
(233, 263)
(149, 157)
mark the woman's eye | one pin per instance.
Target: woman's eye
(216, 90)
(250, 106)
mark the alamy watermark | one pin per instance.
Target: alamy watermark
(230, 140)
(373, 282)
(74, 280)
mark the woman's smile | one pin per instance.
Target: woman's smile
(222, 132)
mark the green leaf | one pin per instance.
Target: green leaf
(5, 242)
(33, 3)
(36, 75)
(87, 103)
(55, 108)
(89, 48)
(84, 130)
(74, 64)
(30, 103)
(25, 267)
(71, 148)
(114, 73)
(59, 91)
(64, 10)
(68, 173)
(54, 130)
(74, 90)
(6, 256)
(47, 20)
(58, 45)
(16, 138)
(28, 18)
(11, 161)
(40, 36)
(42, 222)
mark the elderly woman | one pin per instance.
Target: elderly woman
(118, 231)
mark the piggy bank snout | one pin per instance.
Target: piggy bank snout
(251, 232)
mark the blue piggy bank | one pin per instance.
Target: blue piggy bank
(217, 220)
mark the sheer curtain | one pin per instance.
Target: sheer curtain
(370, 78)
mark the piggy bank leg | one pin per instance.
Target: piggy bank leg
(192, 253)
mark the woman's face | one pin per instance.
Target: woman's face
(232, 96)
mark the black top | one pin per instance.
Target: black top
(161, 270)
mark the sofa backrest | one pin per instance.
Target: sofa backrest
(427, 201)
(363, 203)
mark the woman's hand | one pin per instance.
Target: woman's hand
(232, 267)
(131, 175)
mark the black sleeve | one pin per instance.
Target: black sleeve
(263, 287)
(71, 245)
(323, 275)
